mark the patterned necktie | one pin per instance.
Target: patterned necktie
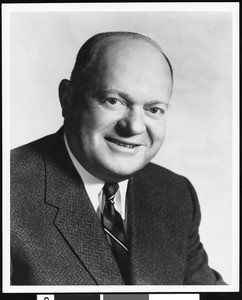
(114, 229)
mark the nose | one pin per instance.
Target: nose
(132, 123)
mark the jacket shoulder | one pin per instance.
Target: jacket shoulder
(31, 149)
(154, 172)
(27, 162)
(161, 177)
(34, 151)
(172, 189)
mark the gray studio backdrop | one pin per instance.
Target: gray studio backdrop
(198, 141)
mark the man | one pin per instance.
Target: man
(87, 205)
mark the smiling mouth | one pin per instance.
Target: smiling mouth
(122, 144)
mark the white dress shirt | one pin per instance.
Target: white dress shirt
(94, 188)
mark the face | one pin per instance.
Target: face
(117, 125)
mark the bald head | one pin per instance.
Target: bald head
(96, 47)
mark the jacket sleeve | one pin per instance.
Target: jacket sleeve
(198, 271)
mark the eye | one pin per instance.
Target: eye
(155, 111)
(113, 103)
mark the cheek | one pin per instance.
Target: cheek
(156, 132)
(100, 119)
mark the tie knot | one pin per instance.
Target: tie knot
(110, 189)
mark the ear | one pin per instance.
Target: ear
(65, 95)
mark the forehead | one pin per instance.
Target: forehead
(125, 51)
(130, 63)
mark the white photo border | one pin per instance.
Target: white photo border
(7, 9)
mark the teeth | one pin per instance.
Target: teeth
(123, 145)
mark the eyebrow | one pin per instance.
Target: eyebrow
(129, 98)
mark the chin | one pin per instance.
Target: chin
(119, 174)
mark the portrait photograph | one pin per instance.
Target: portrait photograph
(120, 148)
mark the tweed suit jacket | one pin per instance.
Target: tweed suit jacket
(57, 239)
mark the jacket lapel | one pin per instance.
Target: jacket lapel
(76, 219)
